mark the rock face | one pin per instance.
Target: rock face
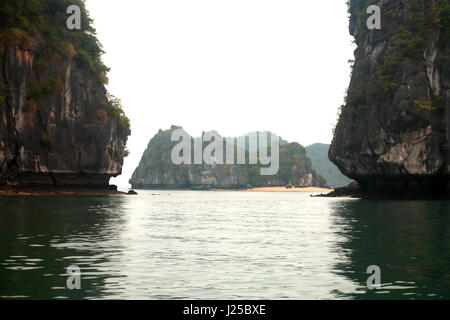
(51, 132)
(393, 132)
(156, 170)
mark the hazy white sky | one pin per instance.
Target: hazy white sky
(233, 66)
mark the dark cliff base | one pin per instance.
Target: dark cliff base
(42, 191)
(61, 180)
(400, 189)
(350, 191)
(59, 184)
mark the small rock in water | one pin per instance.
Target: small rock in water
(132, 192)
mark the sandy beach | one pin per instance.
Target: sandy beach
(284, 189)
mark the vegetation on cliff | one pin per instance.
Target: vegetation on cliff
(21, 21)
(24, 22)
(295, 166)
(410, 26)
(392, 133)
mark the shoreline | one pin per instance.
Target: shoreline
(284, 189)
(257, 189)
(278, 189)
(30, 192)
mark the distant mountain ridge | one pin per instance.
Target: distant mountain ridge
(156, 169)
(318, 153)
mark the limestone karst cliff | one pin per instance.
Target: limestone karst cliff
(156, 169)
(58, 127)
(393, 131)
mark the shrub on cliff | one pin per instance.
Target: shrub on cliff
(114, 109)
(102, 114)
(40, 89)
(23, 20)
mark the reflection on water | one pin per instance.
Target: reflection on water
(41, 237)
(222, 245)
(409, 241)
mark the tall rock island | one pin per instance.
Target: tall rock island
(393, 131)
(156, 169)
(58, 125)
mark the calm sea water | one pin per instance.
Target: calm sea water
(223, 245)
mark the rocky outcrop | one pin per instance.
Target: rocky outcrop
(156, 170)
(52, 133)
(393, 131)
(352, 190)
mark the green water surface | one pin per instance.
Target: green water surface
(223, 245)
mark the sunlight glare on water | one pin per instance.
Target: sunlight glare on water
(222, 245)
